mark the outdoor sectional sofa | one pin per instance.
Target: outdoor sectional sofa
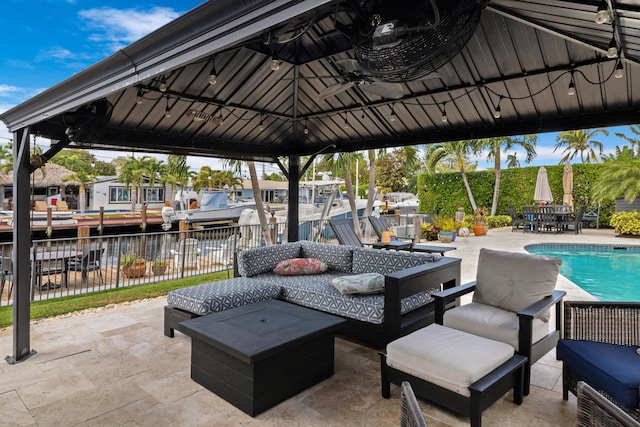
(404, 305)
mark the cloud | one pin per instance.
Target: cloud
(116, 28)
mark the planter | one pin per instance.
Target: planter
(445, 236)
(159, 270)
(135, 270)
(479, 230)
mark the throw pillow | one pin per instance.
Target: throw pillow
(300, 266)
(367, 283)
(513, 281)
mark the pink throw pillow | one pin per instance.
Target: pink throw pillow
(299, 266)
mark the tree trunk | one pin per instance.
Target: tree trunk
(496, 191)
(134, 199)
(82, 198)
(469, 193)
(352, 201)
(371, 192)
(264, 227)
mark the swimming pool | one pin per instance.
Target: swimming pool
(608, 272)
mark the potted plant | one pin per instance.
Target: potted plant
(159, 267)
(133, 265)
(447, 226)
(429, 231)
(480, 221)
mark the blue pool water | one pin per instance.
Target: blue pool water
(609, 273)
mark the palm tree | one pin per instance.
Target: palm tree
(512, 161)
(255, 187)
(133, 174)
(82, 173)
(154, 169)
(494, 146)
(342, 162)
(620, 178)
(177, 173)
(456, 151)
(579, 141)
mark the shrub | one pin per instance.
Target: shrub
(626, 222)
(499, 221)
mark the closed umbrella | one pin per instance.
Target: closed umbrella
(542, 194)
(567, 185)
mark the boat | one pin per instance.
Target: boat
(319, 201)
(405, 203)
(214, 206)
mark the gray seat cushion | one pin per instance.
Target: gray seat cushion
(316, 291)
(218, 296)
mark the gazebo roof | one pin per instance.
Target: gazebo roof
(522, 57)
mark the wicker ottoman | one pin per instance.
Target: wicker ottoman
(457, 370)
(194, 301)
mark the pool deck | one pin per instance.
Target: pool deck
(114, 366)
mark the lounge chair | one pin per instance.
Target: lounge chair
(595, 410)
(599, 347)
(187, 254)
(379, 224)
(511, 302)
(411, 414)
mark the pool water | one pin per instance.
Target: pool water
(609, 273)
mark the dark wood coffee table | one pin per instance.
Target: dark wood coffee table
(258, 355)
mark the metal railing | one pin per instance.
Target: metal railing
(74, 266)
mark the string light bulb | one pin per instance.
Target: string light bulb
(139, 98)
(612, 51)
(306, 128)
(496, 112)
(163, 85)
(167, 111)
(602, 13)
(619, 73)
(213, 74)
(260, 126)
(275, 63)
(392, 117)
(444, 117)
(346, 122)
(571, 90)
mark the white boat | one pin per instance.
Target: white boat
(214, 206)
(406, 203)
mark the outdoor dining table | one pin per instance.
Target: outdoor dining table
(52, 262)
(540, 217)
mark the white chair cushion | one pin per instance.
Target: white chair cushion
(514, 281)
(447, 357)
(491, 322)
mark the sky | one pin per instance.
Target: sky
(50, 40)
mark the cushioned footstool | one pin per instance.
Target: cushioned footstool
(457, 370)
(193, 301)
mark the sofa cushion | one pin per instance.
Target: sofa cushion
(447, 357)
(261, 260)
(491, 322)
(337, 257)
(300, 266)
(366, 283)
(316, 292)
(367, 260)
(513, 281)
(612, 368)
(221, 295)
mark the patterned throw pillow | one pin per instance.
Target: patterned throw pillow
(300, 266)
(367, 283)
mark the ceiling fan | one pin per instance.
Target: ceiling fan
(353, 75)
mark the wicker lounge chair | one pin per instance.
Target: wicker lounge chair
(599, 347)
(594, 410)
(411, 415)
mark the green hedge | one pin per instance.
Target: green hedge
(440, 193)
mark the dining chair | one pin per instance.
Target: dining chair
(6, 270)
(90, 260)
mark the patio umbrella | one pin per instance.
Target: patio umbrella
(567, 185)
(543, 191)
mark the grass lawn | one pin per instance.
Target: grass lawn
(57, 306)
